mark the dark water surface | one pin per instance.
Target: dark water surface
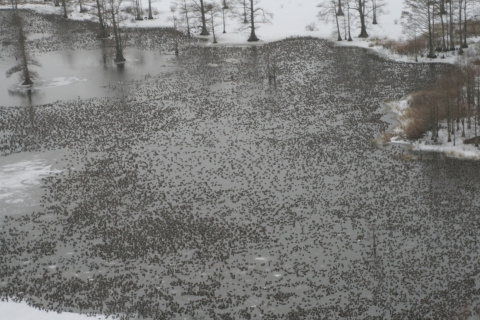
(67, 75)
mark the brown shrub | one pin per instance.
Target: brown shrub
(416, 127)
(473, 28)
(409, 47)
(386, 137)
(389, 44)
(437, 102)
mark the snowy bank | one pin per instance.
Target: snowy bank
(456, 148)
(22, 311)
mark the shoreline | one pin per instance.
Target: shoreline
(398, 109)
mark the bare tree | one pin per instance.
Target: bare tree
(82, 9)
(150, 15)
(477, 113)
(225, 7)
(174, 19)
(361, 7)
(366, 9)
(199, 7)
(413, 28)
(256, 15)
(184, 10)
(460, 7)
(466, 3)
(272, 65)
(330, 10)
(348, 20)
(452, 39)
(442, 12)
(113, 9)
(64, 6)
(103, 29)
(245, 20)
(420, 13)
(374, 8)
(22, 56)
(213, 10)
(138, 9)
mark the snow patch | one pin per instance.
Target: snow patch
(63, 81)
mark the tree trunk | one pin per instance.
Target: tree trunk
(431, 53)
(103, 30)
(119, 58)
(26, 73)
(223, 17)
(361, 13)
(470, 101)
(449, 121)
(465, 45)
(185, 8)
(253, 36)
(452, 42)
(139, 12)
(477, 117)
(460, 25)
(348, 16)
(339, 38)
(150, 16)
(444, 46)
(213, 29)
(204, 23)
(374, 4)
(245, 11)
(64, 5)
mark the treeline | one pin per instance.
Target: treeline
(187, 16)
(438, 26)
(453, 104)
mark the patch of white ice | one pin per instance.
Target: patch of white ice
(62, 81)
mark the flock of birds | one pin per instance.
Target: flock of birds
(208, 193)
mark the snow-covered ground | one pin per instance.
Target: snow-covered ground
(22, 311)
(290, 18)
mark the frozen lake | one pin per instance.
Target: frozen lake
(67, 75)
(210, 193)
